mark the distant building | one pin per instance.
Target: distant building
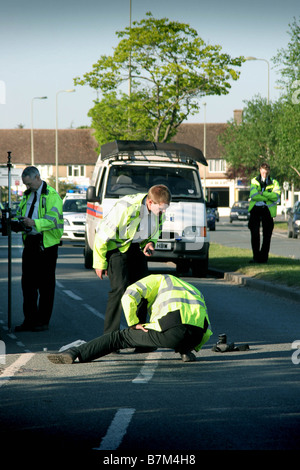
(77, 156)
(77, 153)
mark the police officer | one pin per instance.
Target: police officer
(124, 240)
(42, 215)
(178, 320)
(264, 197)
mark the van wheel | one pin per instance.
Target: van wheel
(88, 255)
(182, 266)
(199, 267)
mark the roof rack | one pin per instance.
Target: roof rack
(185, 151)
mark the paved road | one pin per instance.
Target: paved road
(237, 234)
(152, 403)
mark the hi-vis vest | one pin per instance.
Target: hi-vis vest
(50, 221)
(171, 301)
(117, 229)
(270, 196)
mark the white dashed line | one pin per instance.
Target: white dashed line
(147, 371)
(11, 370)
(116, 430)
(72, 295)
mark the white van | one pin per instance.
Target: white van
(129, 167)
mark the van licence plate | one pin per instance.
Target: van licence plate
(163, 246)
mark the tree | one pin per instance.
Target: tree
(246, 145)
(287, 60)
(169, 67)
(288, 143)
(270, 132)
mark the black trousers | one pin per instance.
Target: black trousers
(38, 281)
(260, 215)
(181, 338)
(123, 269)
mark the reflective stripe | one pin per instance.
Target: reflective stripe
(135, 294)
(255, 194)
(182, 301)
(170, 285)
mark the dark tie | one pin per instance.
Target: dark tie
(32, 206)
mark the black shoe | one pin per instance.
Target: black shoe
(66, 357)
(188, 357)
(23, 327)
(143, 350)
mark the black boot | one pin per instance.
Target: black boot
(66, 357)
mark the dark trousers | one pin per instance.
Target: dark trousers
(258, 215)
(38, 281)
(181, 338)
(123, 269)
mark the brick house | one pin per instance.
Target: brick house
(77, 156)
(76, 152)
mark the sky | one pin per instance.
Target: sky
(45, 45)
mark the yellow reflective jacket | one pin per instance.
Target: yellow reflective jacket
(117, 229)
(166, 295)
(50, 221)
(270, 195)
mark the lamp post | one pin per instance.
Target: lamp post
(56, 137)
(32, 149)
(204, 148)
(264, 60)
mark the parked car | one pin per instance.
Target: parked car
(211, 219)
(74, 209)
(239, 211)
(294, 221)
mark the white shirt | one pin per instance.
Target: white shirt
(35, 214)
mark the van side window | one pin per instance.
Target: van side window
(100, 189)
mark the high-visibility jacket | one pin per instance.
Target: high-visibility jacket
(117, 229)
(171, 301)
(270, 195)
(50, 222)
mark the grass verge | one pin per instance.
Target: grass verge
(285, 271)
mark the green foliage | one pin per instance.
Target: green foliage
(287, 60)
(267, 133)
(168, 68)
(62, 186)
(270, 132)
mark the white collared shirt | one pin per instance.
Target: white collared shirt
(35, 214)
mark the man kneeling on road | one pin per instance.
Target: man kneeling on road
(178, 320)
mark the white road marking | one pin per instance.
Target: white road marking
(94, 311)
(11, 370)
(116, 430)
(72, 295)
(147, 371)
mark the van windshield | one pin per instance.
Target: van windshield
(183, 183)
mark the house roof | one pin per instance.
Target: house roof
(75, 146)
(193, 134)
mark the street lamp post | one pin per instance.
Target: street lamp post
(32, 149)
(264, 60)
(56, 137)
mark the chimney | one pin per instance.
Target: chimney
(238, 116)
